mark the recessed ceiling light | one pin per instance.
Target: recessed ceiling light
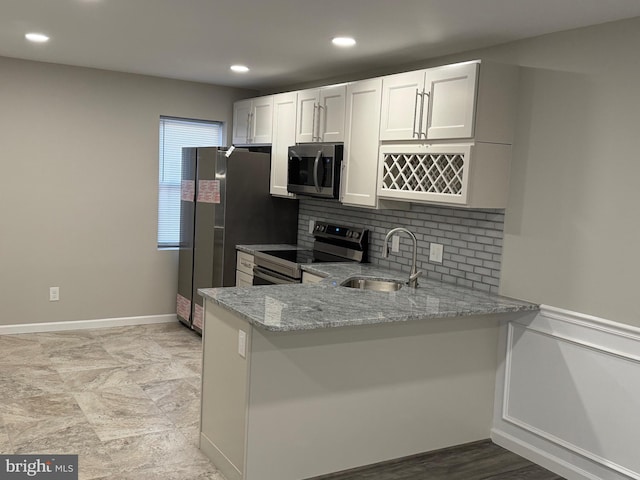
(36, 37)
(239, 68)
(344, 41)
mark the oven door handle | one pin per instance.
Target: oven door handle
(272, 277)
(315, 170)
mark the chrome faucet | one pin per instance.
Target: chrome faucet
(413, 276)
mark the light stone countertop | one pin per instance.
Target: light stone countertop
(326, 304)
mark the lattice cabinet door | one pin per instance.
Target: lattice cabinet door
(425, 173)
(472, 175)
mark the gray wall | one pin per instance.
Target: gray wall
(78, 196)
(572, 230)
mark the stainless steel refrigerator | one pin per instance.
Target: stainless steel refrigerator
(225, 201)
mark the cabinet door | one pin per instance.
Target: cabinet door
(360, 165)
(284, 136)
(306, 116)
(261, 120)
(243, 280)
(401, 102)
(450, 105)
(241, 113)
(331, 114)
(425, 173)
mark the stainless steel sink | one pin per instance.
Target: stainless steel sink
(372, 284)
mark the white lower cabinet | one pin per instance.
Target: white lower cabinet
(472, 175)
(244, 269)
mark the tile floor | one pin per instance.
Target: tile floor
(126, 400)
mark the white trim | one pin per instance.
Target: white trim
(539, 456)
(85, 324)
(589, 321)
(602, 337)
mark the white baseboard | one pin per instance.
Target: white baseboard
(540, 456)
(85, 324)
(567, 394)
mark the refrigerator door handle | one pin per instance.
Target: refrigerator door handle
(315, 171)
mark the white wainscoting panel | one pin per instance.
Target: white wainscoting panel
(568, 394)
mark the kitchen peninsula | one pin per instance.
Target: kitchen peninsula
(307, 379)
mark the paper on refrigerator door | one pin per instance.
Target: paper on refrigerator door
(183, 307)
(187, 190)
(209, 191)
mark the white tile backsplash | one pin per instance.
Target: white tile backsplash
(472, 239)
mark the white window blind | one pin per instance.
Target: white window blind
(176, 133)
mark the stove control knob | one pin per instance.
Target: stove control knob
(356, 235)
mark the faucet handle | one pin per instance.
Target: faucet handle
(416, 275)
(413, 279)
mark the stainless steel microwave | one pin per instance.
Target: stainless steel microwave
(314, 169)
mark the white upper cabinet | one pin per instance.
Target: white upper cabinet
(464, 101)
(438, 103)
(252, 121)
(321, 114)
(449, 102)
(241, 116)
(360, 163)
(401, 100)
(284, 136)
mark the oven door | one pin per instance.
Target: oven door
(262, 276)
(314, 170)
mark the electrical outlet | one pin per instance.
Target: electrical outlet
(395, 243)
(435, 252)
(54, 294)
(242, 343)
(312, 225)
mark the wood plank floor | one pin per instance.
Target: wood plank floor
(473, 461)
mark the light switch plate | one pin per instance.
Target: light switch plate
(435, 252)
(54, 294)
(312, 225)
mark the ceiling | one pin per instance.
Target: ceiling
(284, 42)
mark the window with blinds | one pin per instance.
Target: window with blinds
(176, 133)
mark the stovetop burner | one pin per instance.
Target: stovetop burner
(295, 256)
(333, 243)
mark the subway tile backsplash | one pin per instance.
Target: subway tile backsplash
(472, 239)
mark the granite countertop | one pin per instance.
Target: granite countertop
(282, 308)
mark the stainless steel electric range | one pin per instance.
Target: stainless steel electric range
(332, 243)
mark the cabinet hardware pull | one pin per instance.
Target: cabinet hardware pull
(320, 107)
(313, 123)
(426, 125)
(415, 115)
(422, 94)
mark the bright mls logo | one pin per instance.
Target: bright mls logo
(50, 467)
